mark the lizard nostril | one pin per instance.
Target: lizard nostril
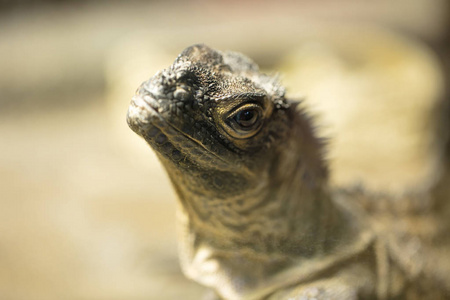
(181, 94)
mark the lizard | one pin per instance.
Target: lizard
(256, 216)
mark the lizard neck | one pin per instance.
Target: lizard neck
(292, 218)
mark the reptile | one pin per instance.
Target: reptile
(257, 218)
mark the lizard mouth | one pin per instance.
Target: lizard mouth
(146, 118)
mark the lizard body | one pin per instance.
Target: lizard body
(257, 219)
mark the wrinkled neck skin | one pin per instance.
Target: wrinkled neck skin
(262, 226)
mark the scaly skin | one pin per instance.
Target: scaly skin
(256, 218)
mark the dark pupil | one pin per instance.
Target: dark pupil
(246, 118)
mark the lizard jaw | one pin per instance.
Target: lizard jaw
(145, 117)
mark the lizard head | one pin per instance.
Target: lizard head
(208, 106)
(218, 125)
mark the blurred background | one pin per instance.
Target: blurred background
(86, 211)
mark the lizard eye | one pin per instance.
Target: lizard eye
(245, 121)
(246, 118)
